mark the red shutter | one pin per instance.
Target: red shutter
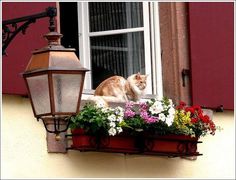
(212, 53)
(19, 50)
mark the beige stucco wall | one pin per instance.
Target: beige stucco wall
(24, 153)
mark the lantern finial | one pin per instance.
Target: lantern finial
(53, 38)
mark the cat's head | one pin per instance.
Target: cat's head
(140, 81)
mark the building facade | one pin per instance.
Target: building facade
(186, 48)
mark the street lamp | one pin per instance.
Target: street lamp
(54, 78)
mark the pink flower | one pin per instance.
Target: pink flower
(144, 115)
(143, 106)
(129, 113)
(152, 119)
(129, 105)
(147, 118)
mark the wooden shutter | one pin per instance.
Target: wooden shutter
(212, 53)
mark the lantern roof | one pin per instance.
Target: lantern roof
(54, 56)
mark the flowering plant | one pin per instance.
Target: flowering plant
(95, 119)
(155, 117)
(190, 120)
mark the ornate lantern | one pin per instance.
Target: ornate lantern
(54, 78)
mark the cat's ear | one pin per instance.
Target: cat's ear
(138, 76)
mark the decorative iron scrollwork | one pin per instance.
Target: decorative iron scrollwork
(10, 28)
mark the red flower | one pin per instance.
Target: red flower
(197, 108)
(212, 125)
(190, 109)
(193, 120)
(179, 107)
(181, 103)
(205, 119)
(201, 122)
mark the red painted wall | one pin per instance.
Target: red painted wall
(19, 50)
(212, 53)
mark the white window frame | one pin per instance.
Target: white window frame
(156, 49)
(152, 60)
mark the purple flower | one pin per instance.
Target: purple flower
(129, 113)
(147, 117)
(144, 115)
(129, 105)
(143, 106)
(152, 119)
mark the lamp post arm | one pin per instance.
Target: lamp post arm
(8, 33)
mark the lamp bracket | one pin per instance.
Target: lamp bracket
(57, 124)
(10, 28)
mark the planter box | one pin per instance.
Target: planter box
(167, 145)
(172, 145)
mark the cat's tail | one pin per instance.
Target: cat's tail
(105, 101)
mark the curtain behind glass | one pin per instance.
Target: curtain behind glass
(115, 15)
(119, 54)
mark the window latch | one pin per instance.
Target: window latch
(185, 72)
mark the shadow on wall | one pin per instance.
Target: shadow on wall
(98, 164)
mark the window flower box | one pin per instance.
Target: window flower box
(119, 143)
(155, 127)
(170, 145)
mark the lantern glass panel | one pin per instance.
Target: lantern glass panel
(66, 89)
(39, 91)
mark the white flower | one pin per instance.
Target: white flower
(112, 124)
(112, 131)
(162, 117)
(119, 129)
(158, 103)
(119, 111)
(120, 118)
(169, 120)
(156, 107)
(100, 104)
(105, 109)
(171, 111)
(112, 117)
(170, 103)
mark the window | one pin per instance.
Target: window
(115, 39)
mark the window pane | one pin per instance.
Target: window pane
(105, 16)
(121, 54)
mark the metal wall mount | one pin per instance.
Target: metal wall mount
(10, 28)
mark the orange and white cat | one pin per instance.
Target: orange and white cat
(118, 89)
